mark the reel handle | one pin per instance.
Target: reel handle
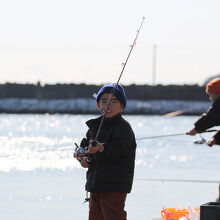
(94, 143)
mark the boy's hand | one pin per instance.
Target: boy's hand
(84, 163)
(192, 132)
(211, 142)
(98, 147)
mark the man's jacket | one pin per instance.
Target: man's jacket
(210, 119)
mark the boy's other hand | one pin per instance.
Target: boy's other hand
(84, 163)
(93, 150)
(211, 142)
(192, 132)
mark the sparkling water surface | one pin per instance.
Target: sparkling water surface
(39, 179)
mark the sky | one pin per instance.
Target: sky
(69, 41)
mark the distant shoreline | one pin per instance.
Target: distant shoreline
(87, 106)
(79, 113)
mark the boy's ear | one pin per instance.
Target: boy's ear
(122, 106)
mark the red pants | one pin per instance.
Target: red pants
(107, 206)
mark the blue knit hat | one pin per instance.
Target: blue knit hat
(119, 93)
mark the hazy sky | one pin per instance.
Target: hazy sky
(69, 41)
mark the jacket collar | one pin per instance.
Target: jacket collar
(217, 101)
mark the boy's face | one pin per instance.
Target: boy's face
(213, 97)
(114, 108)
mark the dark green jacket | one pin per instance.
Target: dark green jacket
(210, 119)
(113, 169)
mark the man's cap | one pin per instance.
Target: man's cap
(213, 87)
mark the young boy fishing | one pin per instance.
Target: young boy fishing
(212, 117)
(112, 159)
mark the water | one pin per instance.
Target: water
(39, 179)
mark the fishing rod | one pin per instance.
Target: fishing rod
(176, 113)
(80, 154)
(116, 84)
(171, 135)
(177, 180)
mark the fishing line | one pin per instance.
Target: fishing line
(177, 180)
(137, 139)
(116, 85)
(179, 140)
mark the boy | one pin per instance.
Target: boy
(111, 170)
(212, 117)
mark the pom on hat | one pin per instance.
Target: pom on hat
(119, 93)
(213, 87)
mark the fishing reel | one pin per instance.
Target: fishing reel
(201, 141)
(81, 152)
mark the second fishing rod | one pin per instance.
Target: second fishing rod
(172, 135)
